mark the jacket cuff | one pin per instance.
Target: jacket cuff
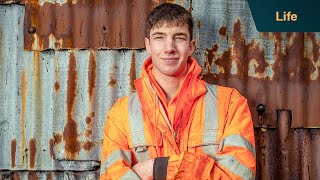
(160, 168)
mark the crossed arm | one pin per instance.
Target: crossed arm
(235, 159)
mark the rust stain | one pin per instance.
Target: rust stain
(57, 86)
(30, 20)
(57, 138)
(38, 83)
(0, 42)
(15, 176)
(86, 30)
(51, 144)
(88, 120)
(210, 56)
(88, 131)
(32, 175)
(70, 132)
(92, 75)
(223, 31)
(70, 136)
(286, 85)
(315, 47)
(23, 115)
(88, 145)
(49, 176)
(198, 24)
(133, 71)
(13, 152)
(240, 53)
(33, 152)
(279, 58)
(240, 49)
(113, 81)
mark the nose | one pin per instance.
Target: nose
(170, 46)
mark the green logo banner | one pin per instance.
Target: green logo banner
(286, 15)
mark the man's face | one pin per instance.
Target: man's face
(170, 48)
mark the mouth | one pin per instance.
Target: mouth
(170, 59)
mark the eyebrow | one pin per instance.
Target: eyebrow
(176, 34)
(181, 34)
(157, 33)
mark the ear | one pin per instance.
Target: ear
(192, 46)
(147, 44)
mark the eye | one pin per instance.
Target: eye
(158, 37)
(180, 38)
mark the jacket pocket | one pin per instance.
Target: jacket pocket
(204, 141)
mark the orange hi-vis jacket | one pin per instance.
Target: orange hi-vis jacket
(205, 130)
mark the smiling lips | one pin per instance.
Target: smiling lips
(170, 59)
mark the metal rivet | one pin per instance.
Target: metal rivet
(261, 108)
(32, 30)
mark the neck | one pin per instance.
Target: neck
(170, 84)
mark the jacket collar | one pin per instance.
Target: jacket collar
(192, 88)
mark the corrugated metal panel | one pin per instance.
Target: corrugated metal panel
(279, 70)
(12, 1)
(287, 153)
(99, 24)
(49, 175)
(53, 103)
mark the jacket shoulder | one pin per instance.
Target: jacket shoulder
(228, 94)
(120, 103)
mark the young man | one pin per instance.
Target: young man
(175, 125)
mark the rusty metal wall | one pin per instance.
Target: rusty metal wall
(279, 70)
(99, 24)
(53, 103)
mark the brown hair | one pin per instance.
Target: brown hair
(171, 15)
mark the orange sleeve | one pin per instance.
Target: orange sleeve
(236, 158)
(116, 157)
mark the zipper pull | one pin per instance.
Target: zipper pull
(175, 135)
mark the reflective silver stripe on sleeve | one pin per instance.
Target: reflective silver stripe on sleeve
(235, 167)
(238, 140)
(114, 157)
(137, 128)
(130, 175)
(210, 121)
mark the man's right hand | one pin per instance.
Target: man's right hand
(144, 169)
